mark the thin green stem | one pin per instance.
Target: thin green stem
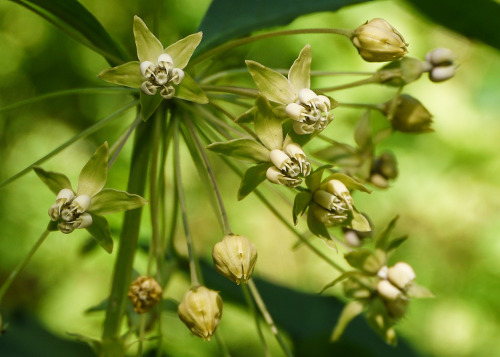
(243, 41)
(182, 204)
(222, 210)
(222, 344)
(142, 328)
(19, 268)
(370, 80)
(233, 119)
(245, 92)
(118, 146)
(362, 105)
(251, 306)
(267, 317)
(77, 137)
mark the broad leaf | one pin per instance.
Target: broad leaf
(253, 177)
(54, 180)
(267, 125)
(149, 48)
(99, 229)
(273, 85)
(182, 50)
(300, 204)
(243, 149)
(300, 72)
(190, 90)
(127, 74)
(350, 311)
(110, 201)
(95, 172)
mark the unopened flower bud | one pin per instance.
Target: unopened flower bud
(387, 290)
(201, 311)
(147, 68)
(384, 168)
(441, 64)
(65, 195)
(165, 61)
(410, 116)
(440, 74)
(401, 275)
(144, 293)
(378, 41)
(235, 257)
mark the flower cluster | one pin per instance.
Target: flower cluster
(69, 211)
(289, 165)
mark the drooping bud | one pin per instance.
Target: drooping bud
(144, 293)
(401, 275)
(378, 41)
(201, 311)
(409, 116)
(235, 257)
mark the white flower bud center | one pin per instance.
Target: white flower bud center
(311, 113)
(161, 76)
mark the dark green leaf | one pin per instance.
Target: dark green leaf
(314, 179)
(54, 180)
(252, 178)
(99, 229)
(74, 19)
(316, 227)
(243, 149)
(300, 204)
(110, 201)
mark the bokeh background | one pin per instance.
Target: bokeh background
(447, 193)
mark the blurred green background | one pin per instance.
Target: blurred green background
(447, 194)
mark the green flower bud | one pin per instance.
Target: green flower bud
(144, 293)
(378, 41)
(235, 257)
(409, 116)
(201, 311)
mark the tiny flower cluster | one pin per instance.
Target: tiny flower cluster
(289, 166)
(161, 75)
(144, 293)
(311, 113)
(69, 211)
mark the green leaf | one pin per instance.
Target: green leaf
(73, 18)
(419, 292)
(273, 85)
(253, 177)
(363, 132)
(395, 243)
(366, 260)
(128, 74)
(190, 90)
(246, 117)
(243, 149)
(300, 204)
(350, 311)
(359, 222)
(382, 241)
(300, 72)
(95, 172)
(54, 180)
(149, 48)
(229, 19)
(314, 179)
(267, 125)
(110, 201)
(149, 104)
(316, 227)
(99, 229)
(348, 181)
(182, 50)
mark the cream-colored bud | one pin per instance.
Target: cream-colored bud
(303, 128)
(307, 96)
(144, 293)
(147, 68)
(440, 74)
(323, 103)
(279, 159)
(201, 311)
(294, 151)
(235, 257)
(54, 212)
(378, 41)
(401, 275)
(382, 273)
(337, 188)
(388, 291)
(80, 204)
(165, 61)
(148, 88)
(295, 111)
(65, 195)
(274, 175)
(84, 220)
(66, 227)
(177, 75)
(326, 199)
(167, 92)
(440, 57)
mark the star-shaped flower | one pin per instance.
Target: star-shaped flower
(85, 207)
(310, 112)
(158, 70)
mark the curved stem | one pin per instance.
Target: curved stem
(246, 92)
(251, 306)
(19, 268)
(243, 41)
(373, 79)
(362, 105)
(267, 317)
(118, 145)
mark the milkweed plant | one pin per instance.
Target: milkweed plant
(259, 122)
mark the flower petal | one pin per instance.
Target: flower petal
(243, 149)
(54, 180)
(273, 85)
(149, 48)
(95, 173)
(127, 74)
(267, 125)
(300, 72)
(182, 50)
(110, 201)
(190, 90)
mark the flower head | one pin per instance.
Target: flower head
(83, 208)
(144, 293)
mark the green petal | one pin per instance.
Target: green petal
(128, 74)
(359, 222)
(149, 104)
(54, 180)
(99, 229)
(243, 149)
(149, 48)
(95, 173)
(182, 50)
(273, 85)
(300, 72)
(190, 90)
(267, 125)
(350, 311)
(110, 201)
(253, 177)
(246, 117)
